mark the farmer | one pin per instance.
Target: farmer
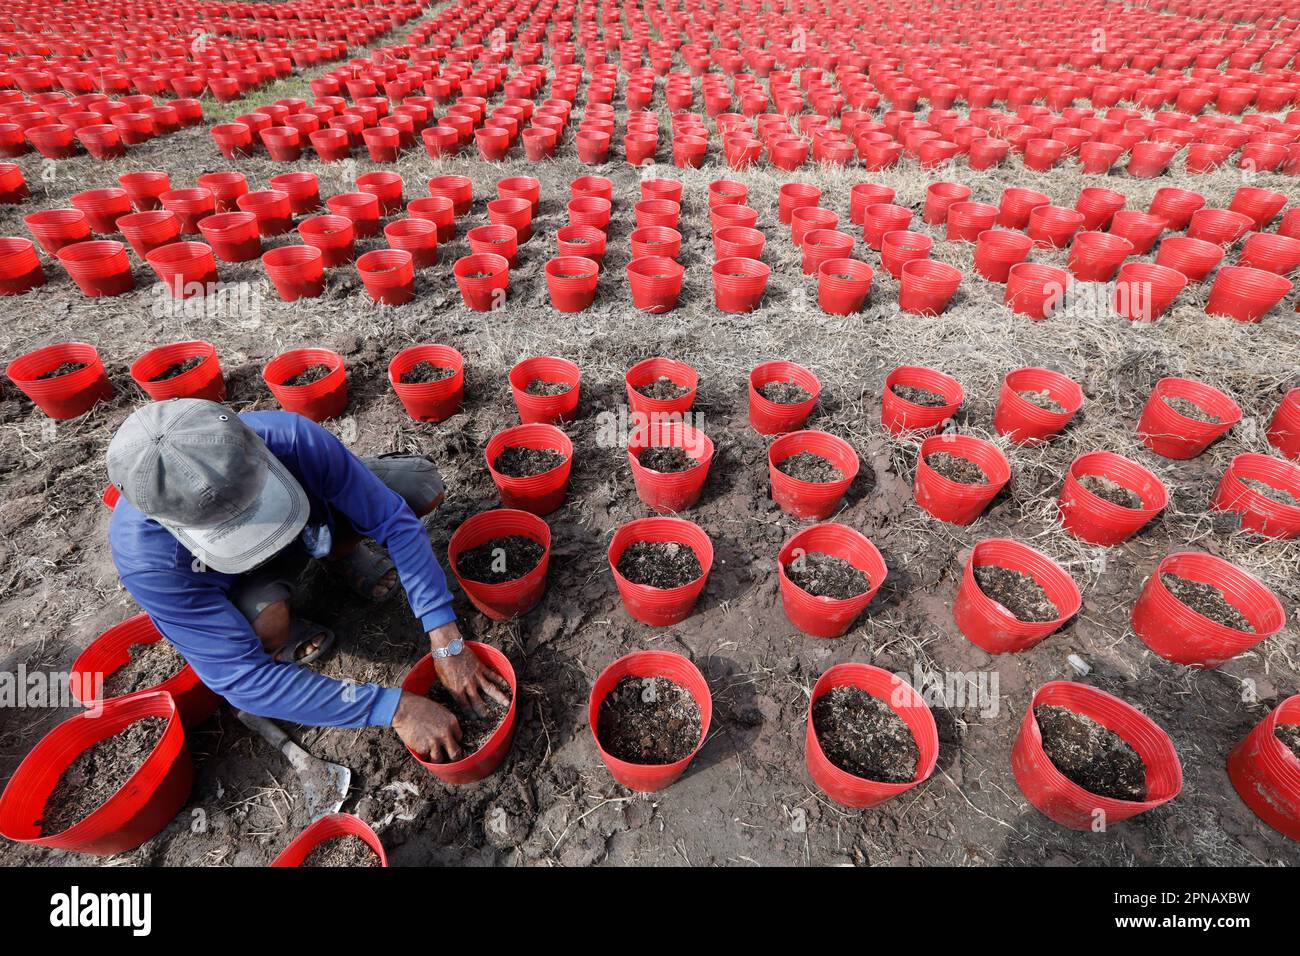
(219, 513)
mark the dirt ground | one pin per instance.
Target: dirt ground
(747, 798)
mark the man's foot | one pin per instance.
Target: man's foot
(367, 571)
(307, 642)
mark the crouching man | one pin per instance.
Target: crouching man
(219, 513)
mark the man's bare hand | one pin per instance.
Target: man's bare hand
(429, 729)
(466, 679)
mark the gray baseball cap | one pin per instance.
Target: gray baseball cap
(209, 479)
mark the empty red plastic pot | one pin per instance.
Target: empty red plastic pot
(1144, 291)
(99, 267)
(660, 607)
(417, 236)
(1220, 226)
(1177, 633)
(804, 220)
(102, 207)
(483, 279)
(808, 499)
(650, 370)
(283, 143)
(927, 286)
(272, 209)
(571, 281)
(233, 236)
(303, 190)
(539, 494)
(1245, 294)
(146, 231)
(1266, 773)
(791, 196)
(20, 267)
(361, 207)
(509, 599)
(848, 789)
(191, 206)
(146, 802)
(649, 778)
(202, 381)
(1099, 206)
(1170, 433)
(1027, 423)
(1284, 430)
(61, 396)
(1261, 205)
(966, 220)
(1259, 512)
(1150, 159)
(331, 145)
(1268, 251)
(429, 401)
(226, 188)
(1194, 258)
(1140, 228)
(459, 189)
(656, 282)
(297, 272)
(1017, 204)
(940, 197)
(515, 212)
(1062, 800)
(953, 501)
(334, 236)
(774, 418)
(483, 762)
(145, 187)
(389, 275)
(545, 408)
(989, 625)
(1097, 256)
(324, 398)
(185, 268)
(899, 415)
(1035, 290)
(525, 187)
(326, 828)
(1053, 226)
(111, 651)
(997, 250)
(56, 228)
(823, 245)
(235, 140)
(1097, 520)
(883, 218)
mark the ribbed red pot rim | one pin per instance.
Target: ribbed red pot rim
(1235, 495)
(783, 371)
(1003, 245)
(1237, 286)
(1035, 278)
(530, 435)
(54, 222)
(860, 274)
(1198, 393)
(396, 265)
(1062, 389)
(1102, 246)
(443, 355)
(822, 441)
(287, 364)
(415, 229)
(647, 370)
(1270, 251)
(489, 262)
(983, 454)
(482, 527)
(327, 828)
(832, 538)
(290, 258)
(1055, 581)
(550, 368)
(227, 226)
(931, 277)
(662, 528)
(1123, 471)
(1267, 616)
(656, 269)
(740, 274)
(645, 236)
(670, 434)
(561, 270)
(26, 370)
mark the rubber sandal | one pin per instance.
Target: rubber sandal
(300, 632)
(362, 570)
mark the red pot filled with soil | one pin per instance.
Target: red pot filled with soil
(483, 279)
(20, 267)
(1264, 492)
(334, 236)
(1035, 404)
(530, 465)
(829, 573)
(918, 399)
(1085, 759)
(870, 735)
(1284, 430)
(1198, 609)
(336, 839)
(1265, 768)
(180, 370)
(958, 475)
(388, 275)
(738, 284)
(1245, 294)
(429, 381)
(571, 281)
(810, 472)
(656, 282)
(655, 241)
(63, 380)
(311, 382)
(660, 566)
(1097, 256)
(649, 714)
(843, 286)
(670, 463)
(1107, 498)
(1012, 596)
(781, 397)
(500, 559)
(485, 741)
(102, 782)
(546, 389)
(659, 388)
(1182, 417)
(586, 242)
(133, 658)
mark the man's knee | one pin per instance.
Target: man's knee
(414, 477)
(272, 625)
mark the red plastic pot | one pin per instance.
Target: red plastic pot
(1147, 160)
(1284, 430)
(655, 241)
(226, 188)
(283, 143)
(649, 778)
(1265, 771)
(656, 282)
(1173, 435)
(738, 284)
(1065, 802)
(514, 212)
(233, 236)
(389, 275)
(234, 140)
(883, 218)
(20, 267)
(1194, 258)
(1175, 632)
(1097, 256)
(676, 491)
(586, 242)
(331, 145)
(806, 499)
(823, 245)
(99, 267)
(823, 616)
(329, 827)
(843, 285)
(56, 228)
(63, 396)
(997, 251)
(1259, 513)
(1016, 206)
(510, 599)
(1176, 206)
(186, 268)
(927, 286)
(483, 279)
(1054, 226)
(771, 418)
(1099, 206)
(526, 187)
(145, 804)
(792, 196)
(303, 190)
(899, 415)
(1098, 521)
(1220, 226)
(1144, 291)
(144, 188)
(429, 401)
(111, 651)
(989, 625)
(203, 381)
(1245, 294)
(499, 240)
(803, 220)
(571, 281)
(940, 197)
(846, 788)
(539, 494)
(102, 207)
(459, 189)
(953, 501)
(361, 207)
(1270, 252)
(1035, 290)
(1025, 423)
(470, 768)
(545, 408)
(492, 141)
(660, 607)
(966, 220)
(190, 206)
(333, 235)
(650, 370)
(325, 398)
(1142, 229)
(1261, 205)
(297, 272)
(417, 236)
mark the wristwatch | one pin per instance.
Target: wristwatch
(451, 650)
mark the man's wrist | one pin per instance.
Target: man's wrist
(444, 635)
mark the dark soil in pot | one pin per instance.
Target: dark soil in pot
(149, 666)
(824, 575)
(648, 720)
(1189, 409)
(475, 729)
(667, 459)
(1043, 399)
(500, 559)
(519, 462)
(805, 466)
(1095, 758)
(422, 373)
(920, 396)
(1016, 591)
(67, 368)
(1289, 734)
(663, 388)
(659, 564)
(539, 386)
(99, 772)
(347, 850)
(1280, 495)
(861, 735)
(1110, 490)
(784, 393)
(955, 468)
(309, 375)
(1206, 600)
(179, 368)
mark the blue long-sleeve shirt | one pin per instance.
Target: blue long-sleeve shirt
(190, 605)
